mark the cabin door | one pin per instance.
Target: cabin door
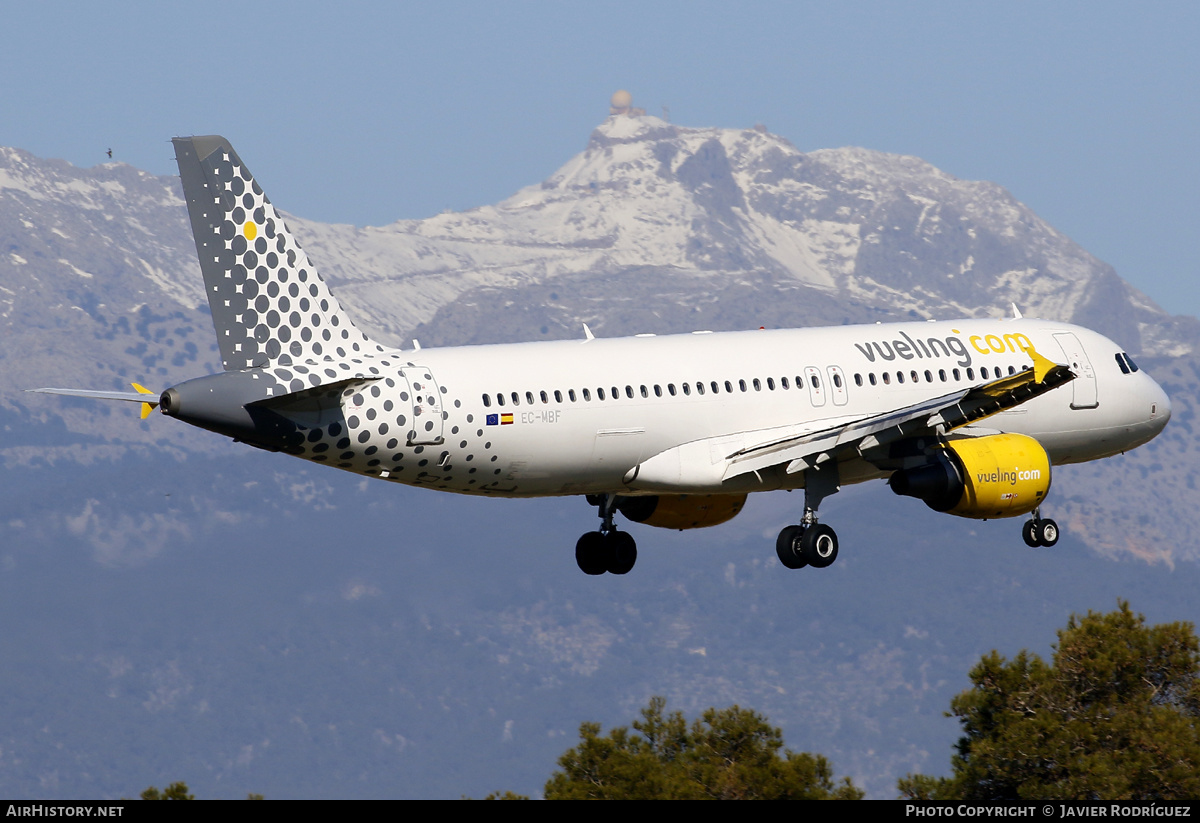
(1084, 384)
(429, 417)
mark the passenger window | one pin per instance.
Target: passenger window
(887, 379)
(728, 387)
(557, 396)
(616, 393)
(983, 373)
(1011, 370)
(545, 398)
(771, 383)
(928, 376)
(956, 374)
(816, 382)
(942, 375)
(600, 394)
(871, 378)
(799, 382)
(742, 385)
(587, 395)
(783, 381)
(657, 390)
(757, 385)
(899, 377)
(837, 381)
(687, 390)
(516, 398)
(487, 402)
(645, 392)
(629, 392)
(499, 399)
(671, 389)
(715, 388)
(529, 397)
(571, 395)
(699, 387)
(970, 374)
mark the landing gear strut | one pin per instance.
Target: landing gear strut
(606, 550)
(1038, 532)
(811, 543)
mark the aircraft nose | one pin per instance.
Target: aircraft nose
(1160, 406)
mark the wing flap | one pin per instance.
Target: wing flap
(939, 415)
(717, 463)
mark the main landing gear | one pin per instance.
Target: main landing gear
(607, 550)
(1039, 532)
(811, 543)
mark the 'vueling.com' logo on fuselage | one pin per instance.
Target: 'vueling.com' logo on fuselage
(935, 347)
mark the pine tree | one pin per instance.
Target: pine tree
(728, 754)
(1115, 715)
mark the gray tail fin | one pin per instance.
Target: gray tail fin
(269, 305)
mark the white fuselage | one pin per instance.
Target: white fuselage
(576, 417)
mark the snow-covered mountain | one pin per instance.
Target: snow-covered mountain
(697, 211)
(652, 228)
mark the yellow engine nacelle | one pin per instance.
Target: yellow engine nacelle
(682, 511)
(1000, 475)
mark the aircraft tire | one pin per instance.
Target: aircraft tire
(591, 553)
(819, 545)
(786, 545)
(1029, 533)
(622, 552)
(1047, 532)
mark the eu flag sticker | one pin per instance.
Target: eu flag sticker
(493, 420)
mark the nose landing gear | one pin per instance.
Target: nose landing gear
(606, 550)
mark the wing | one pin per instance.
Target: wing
(710, 463)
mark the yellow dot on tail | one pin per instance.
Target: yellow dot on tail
(250, 230)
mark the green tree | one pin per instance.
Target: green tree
(179, 791)
(729, 754)
(175, 791)
(1115, 715)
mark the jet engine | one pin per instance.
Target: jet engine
(682, 511)
(1000, 475)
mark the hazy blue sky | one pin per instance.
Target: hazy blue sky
(372, 111)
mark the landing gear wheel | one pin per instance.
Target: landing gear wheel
(622, 552)
(819, 545)
(787, 545)
(1047, 531)
(1029, 533)
(591, 553)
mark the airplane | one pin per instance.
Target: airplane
(671, 431)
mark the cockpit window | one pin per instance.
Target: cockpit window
(1121, 362)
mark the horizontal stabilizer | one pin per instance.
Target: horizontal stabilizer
(147, 398)
(131, 397)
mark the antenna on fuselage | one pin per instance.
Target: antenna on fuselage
(1016, 312)
(587, 333)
